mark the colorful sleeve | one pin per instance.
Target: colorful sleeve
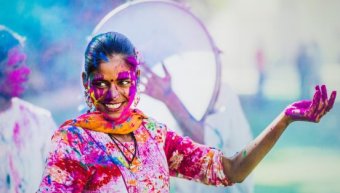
(64, 169)
(194, 161)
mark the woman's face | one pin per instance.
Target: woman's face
(112, 87)
(15, 73)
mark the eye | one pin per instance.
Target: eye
(124, 82)
(18, 64)
(100, 84)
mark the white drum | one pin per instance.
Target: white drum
(165, 31)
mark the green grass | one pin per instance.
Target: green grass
(275, 189)
(302, 170)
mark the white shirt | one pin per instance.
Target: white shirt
(25, 132)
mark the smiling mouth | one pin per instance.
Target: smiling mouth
(113, 107)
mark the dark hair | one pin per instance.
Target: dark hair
(102, 46)
(8, 40)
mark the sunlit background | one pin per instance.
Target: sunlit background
(255, 37)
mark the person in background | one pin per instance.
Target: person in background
(260, 61)
(115, 147)
(25, 129)
(308, 62)
(225, 128)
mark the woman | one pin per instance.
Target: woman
(116, 148)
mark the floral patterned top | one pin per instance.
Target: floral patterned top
(84, 160)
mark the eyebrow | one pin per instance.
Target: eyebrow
(15, 59)
(96, 77)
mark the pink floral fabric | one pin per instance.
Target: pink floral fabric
(88, 161)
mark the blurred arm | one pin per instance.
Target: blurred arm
(160, 89)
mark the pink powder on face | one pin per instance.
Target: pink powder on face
(132, 94)
(15, 81)
(132, 61)
(103, 95)
(15, 73)
(123, 75)
(132, 90)
(15, 56)
(133, 87)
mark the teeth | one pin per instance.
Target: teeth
(113, 106)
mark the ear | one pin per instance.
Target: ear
(85, 79)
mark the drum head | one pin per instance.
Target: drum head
(165, 31)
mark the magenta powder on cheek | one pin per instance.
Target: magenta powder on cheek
(15, 81)
(133, 87)
(132, 61)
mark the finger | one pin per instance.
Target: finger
(318, 118)
(316, 99)
(324, 96)
(331, 101)
(324, 93)
(167, 74)
(146, 68)
(317, 88)
(319, 113)
(315, 104)
(321, 102)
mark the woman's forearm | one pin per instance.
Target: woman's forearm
(240, 166)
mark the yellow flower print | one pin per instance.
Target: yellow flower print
(175, 160)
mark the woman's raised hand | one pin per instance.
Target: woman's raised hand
(154, 85)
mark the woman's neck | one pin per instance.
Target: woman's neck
(122, 137)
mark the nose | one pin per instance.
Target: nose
(113, 93)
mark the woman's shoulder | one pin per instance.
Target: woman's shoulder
(156, 130)
(67, 129)
(152, 124)
(26, 106)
